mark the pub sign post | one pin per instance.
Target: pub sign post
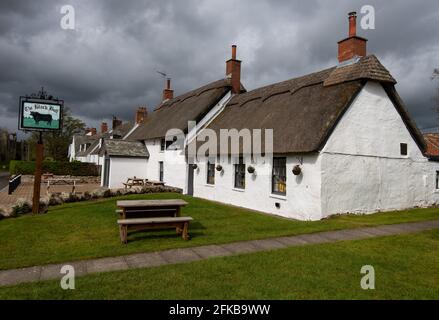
(43, 113)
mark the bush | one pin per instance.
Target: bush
(55, 167)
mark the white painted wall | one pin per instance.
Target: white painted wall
(155, 155)
(174, 173)
(302, 199)
(122, 168)
(362, 169)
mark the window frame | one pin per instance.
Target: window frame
(161, 171)
(239, 172)
(276, 172)
(437, 180)
(210, 168)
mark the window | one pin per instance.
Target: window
(437, 179)
(161, 171)
(210, 173)
(279, 176)
(164, 144)
(403, 147)
(240, 174)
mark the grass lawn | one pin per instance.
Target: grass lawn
(86, 230)
(406, 267)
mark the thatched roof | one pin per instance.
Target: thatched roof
(432, 141)
(303, 111)
(123, 148)
(123, 129)
(175, 113)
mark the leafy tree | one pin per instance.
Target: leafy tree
(56, 144)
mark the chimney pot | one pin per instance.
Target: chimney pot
(352, 24)
(234, 52)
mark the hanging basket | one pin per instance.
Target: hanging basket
(219, 168)
(251, 169)
(297, 170)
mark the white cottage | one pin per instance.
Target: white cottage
(343, 142)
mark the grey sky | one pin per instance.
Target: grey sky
(106, 66)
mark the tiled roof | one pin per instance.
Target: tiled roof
(123, 148)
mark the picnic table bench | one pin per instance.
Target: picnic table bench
(151, 214)
(62, 181)
(155, 183)
(134, 182)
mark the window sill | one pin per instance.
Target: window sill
(209, 185)
(278, 196)
(238, 189)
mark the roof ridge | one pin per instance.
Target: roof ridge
(195, 92)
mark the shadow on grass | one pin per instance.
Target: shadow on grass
(194, 232)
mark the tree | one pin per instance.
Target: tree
(56, 144)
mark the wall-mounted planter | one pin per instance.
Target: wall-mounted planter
(297, 170)
(219, 168)
(251, 169)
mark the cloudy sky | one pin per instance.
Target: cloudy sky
(107, 65)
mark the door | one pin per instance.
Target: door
(190, 180)
(106, 172)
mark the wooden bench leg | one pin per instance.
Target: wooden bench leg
(179, 230)
(123, 234)
(185, 234)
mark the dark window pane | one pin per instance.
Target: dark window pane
(403, 147)
(240, 174)
(279, 176)
(210, 173)
(161, 171)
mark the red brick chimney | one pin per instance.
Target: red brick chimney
(104, 127)
(93, 131)
(168, 93)
(353, 46)
(233, 70)
(116, 122)
(141, 114)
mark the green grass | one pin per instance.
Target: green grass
(406, 267)
(87, 230)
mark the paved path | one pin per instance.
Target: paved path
(25, 191)
(173, 256)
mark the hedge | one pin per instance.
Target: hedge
(55, 167)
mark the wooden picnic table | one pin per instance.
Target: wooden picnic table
(62, 181)
(134, 182)
(150, 208)
(152, 214)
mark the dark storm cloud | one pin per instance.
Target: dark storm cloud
(107, 65)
